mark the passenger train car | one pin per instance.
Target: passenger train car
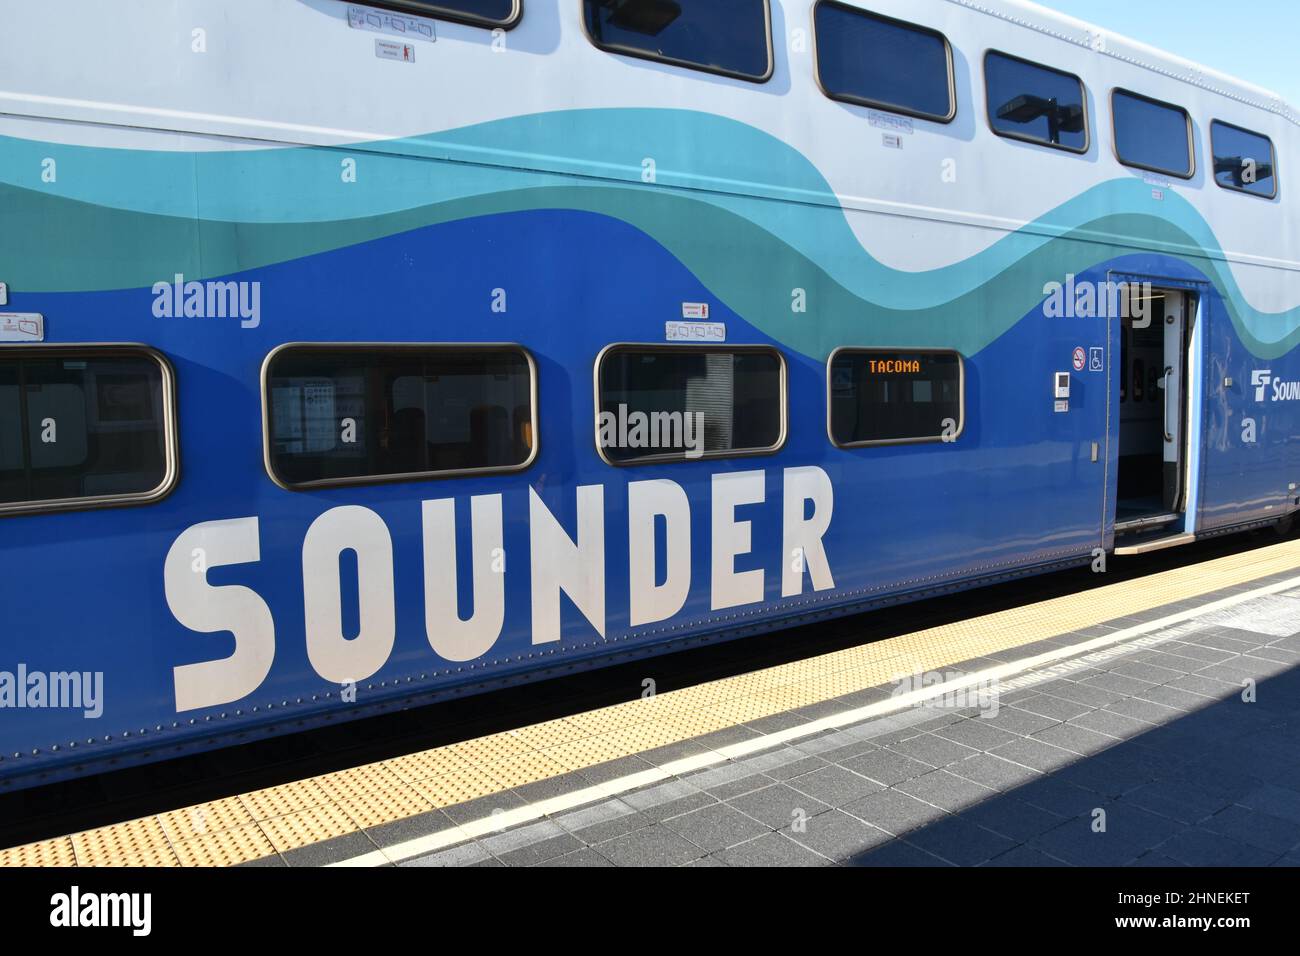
(354, 356)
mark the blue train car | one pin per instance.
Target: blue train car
(465, 342)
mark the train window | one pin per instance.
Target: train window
(687, 402)
(1243, 160)
(1153, 135)
(359, 414)
(730, 37)
(871, 60)
(1036, 103)
(487, 13)
(84, 428)
(894, 397)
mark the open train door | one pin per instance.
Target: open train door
(1153, 367)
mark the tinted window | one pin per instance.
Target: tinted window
(1151, 135)
(1032, 102)
(875, 61)
(14, 484)
(362, 414)
(79, 426)
(487, 11)
(887, 396)
(721, 36)
(689, 402)
(1243, 160)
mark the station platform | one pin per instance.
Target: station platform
(1154, 721)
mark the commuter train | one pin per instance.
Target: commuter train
(354, 356)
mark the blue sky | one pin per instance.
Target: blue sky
(1253, 39)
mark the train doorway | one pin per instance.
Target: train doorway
(1151, 494)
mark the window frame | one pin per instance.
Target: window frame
(621, 50)
(394, 347)
(1238, 189)
(170, 428)
(450, 16)
(1191, 135)
(879, 104)
(894, 350)
(680, 459)
(1022, 138)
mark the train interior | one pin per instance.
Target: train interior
(1152, 488)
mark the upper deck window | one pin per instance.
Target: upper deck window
(84, 428)
(1153, 135)
(1036, 103)
(1243, 160)
(487, 13)
(877, 61)
(730, 37)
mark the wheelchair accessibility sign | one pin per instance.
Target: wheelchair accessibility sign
(1096, 359)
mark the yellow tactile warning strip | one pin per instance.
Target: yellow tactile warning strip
(280, 819)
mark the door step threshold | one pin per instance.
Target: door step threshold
(1146, 521)
(1147, 545)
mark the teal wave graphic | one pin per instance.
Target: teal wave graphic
(139, 216)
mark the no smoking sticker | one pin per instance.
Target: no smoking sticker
(1080, 359)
